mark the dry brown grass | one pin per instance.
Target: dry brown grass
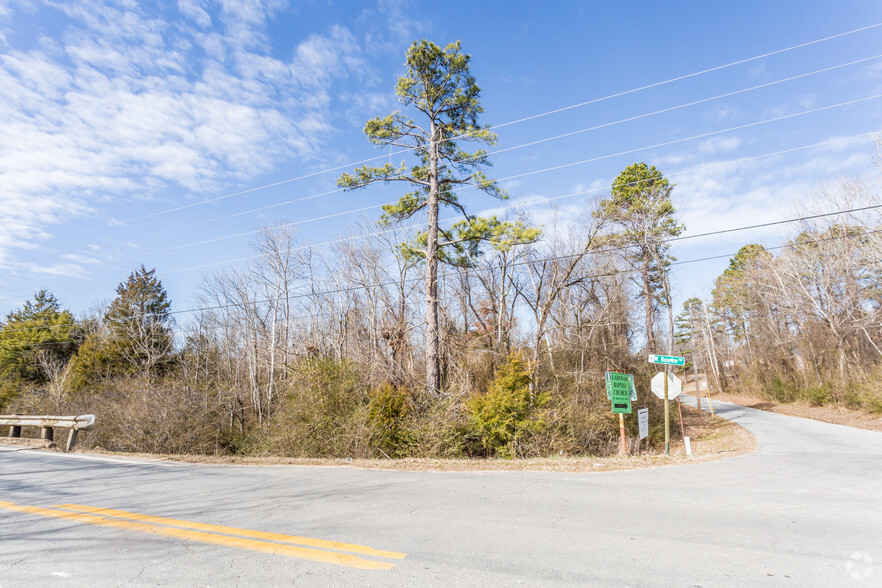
(712, 439)
(837, 415)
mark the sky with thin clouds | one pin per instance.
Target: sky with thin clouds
(168, 133)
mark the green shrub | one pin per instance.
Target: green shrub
(96, 361)
(388, 410)
(781, 390)
(865, 392)
(8, 392)
(323, 413)
(508, 412)
(817, 395)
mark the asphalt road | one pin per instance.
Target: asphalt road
(804, 510)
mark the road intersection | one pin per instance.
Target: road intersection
(803, 510)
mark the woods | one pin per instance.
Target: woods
(309, 352)
(483, 337)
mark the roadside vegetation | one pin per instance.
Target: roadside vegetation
(487, 338)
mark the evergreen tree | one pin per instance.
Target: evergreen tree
(439, 85)
(139, 320)
(40, 328)
(640, 204)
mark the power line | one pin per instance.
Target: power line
(498, 151)
(554, 258)
(520, 120)
(610, 273)
(687, 76)
(516, 205)
(547, 113)
(598, 158)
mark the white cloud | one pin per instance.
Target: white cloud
(720, 144)
(723, 112)
(124, 103)
(759, 191)
(66, 270)
(194, 10)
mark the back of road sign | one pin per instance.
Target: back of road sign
(658, 385)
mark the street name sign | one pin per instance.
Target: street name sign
(658, 385)
(667, 359)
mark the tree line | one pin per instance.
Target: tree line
(486, 337)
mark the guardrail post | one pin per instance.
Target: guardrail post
(15, 431)
(47, 433)
(71, 439)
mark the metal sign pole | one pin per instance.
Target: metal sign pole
(667, 417)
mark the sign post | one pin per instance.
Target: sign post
(667, 360)
(667, 421)
(619, 391)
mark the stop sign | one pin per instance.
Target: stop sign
(658, 385)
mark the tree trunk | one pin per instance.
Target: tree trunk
(433, 367)
(647, 297)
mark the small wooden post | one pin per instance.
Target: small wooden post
(680, 408)
(709, 398)
(622, 429)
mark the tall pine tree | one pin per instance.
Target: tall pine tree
(440, 87)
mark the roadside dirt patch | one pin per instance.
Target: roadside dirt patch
(712, 439)
(837, 415)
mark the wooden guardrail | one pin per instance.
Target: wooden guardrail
(48, 424)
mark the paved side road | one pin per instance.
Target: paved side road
(804, 510)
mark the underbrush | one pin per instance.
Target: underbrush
(327, 409)
(861, 391)
(138, 415)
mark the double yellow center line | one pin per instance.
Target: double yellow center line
(275, 543)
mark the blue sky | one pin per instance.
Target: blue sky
(166, 133)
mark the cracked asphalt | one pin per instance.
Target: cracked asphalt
(804, 510)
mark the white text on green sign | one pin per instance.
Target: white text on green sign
(667, 359)
(618, 386)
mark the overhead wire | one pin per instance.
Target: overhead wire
(546, 113)
(530, 204)
(610, 273)
(532, 143)
(520, 120)
(521, 204)
(490, 153)
(516, 176)
(609, 249)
